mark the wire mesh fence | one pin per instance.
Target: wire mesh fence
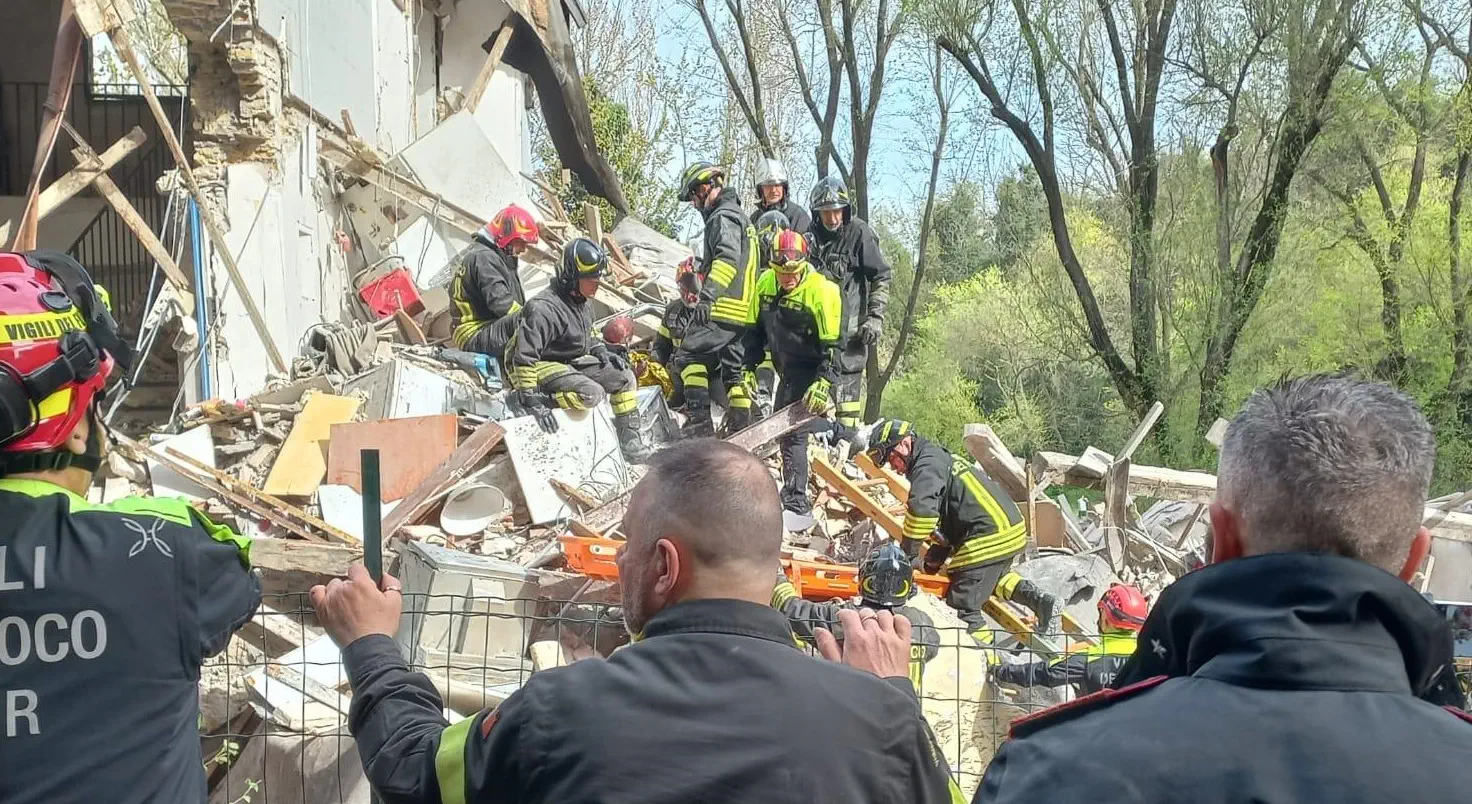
(275, 705)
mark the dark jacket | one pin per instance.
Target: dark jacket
(1092, 669)
(119, 605)
(714, 703)
(553, 328)
(806, 615)
(731, 252)
(1277, 679)
(798, 327)
(484, 290)
(798, 218)
(851, 257)
(976, 519)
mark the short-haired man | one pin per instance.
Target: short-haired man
(711, 702)
(1299, 666)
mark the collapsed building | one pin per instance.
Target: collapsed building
(345, 150)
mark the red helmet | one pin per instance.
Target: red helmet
(58, 345)
(618, 331)
(789, 249)
(511, 224)
(1123, 608)
(688, 279)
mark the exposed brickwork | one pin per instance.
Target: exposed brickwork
(235, 90)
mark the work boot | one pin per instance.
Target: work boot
(698, 423)
(737, 419)
(1044, 605)
(631, 440)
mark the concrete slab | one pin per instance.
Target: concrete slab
(583, 452)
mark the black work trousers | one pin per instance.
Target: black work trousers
(795, 380)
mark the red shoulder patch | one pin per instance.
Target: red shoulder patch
(1027, 724)
(488, 723)
(1459, 713)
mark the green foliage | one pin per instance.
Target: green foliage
(632, 156)
(961, 243)
(1021, 215)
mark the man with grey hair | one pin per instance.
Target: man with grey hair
(711, 702)
(1300, 666)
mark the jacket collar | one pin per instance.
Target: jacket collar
(1297, 621)
(36, 488)
(727, 199)
(720, 616)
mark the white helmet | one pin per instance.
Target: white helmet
(771, 172)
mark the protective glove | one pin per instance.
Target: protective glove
(816, 398)
(870, 330)
(700, 313)
(935, 558)
(748, 381)
(536, 405)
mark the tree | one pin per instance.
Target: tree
(160, 47)
(1021, 215)
(1118, 121)
(1316, 39)
(878, 380)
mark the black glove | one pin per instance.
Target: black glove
(935, 558)
(537, 406)
(700, 313)
(870, 330)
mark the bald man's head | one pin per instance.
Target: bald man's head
(705, 522)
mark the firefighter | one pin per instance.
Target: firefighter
(886, 581)
(1122, 612)
(768, 224)
(967, 519)
(713, 340)
(796, 319)
(109, 610)
(672, 327)
(486, 289)
(554, 360)
(774, 195)
(847, 251)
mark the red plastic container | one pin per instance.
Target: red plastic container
(393, 291)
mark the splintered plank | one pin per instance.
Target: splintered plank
(773, 427)
(302, 462)
(465, 459)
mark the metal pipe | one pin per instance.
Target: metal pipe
(201, 309)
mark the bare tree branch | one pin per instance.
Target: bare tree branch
(754, 113)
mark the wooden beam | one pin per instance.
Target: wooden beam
(593, 221)
(488, 67)
(851, 492)
(996, 460)
(77, 179)
(773, 427)
(314, 558)
(1137, 437)
(124, 47)
(135, 223)
(402, 188)
(280, 506)
(1144, 481)
(465, 459)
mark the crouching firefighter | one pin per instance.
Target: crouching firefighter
(967, 519)
(673, 325)
(555, 361)
(108, 610)
(713, 340)
(886, 581)
(486, 289)
(796, 318)
(1122, 612)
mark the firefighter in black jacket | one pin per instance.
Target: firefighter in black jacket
(847, 252)
(774, 195)
(486, 290)
(108, 610)
(711, 702)
(886, 581)
(672, 327)
(796, 321)
(554, 359)
(713, 341)
(1122, 611)
(967, 519)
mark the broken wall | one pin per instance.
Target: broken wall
(469, 26)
